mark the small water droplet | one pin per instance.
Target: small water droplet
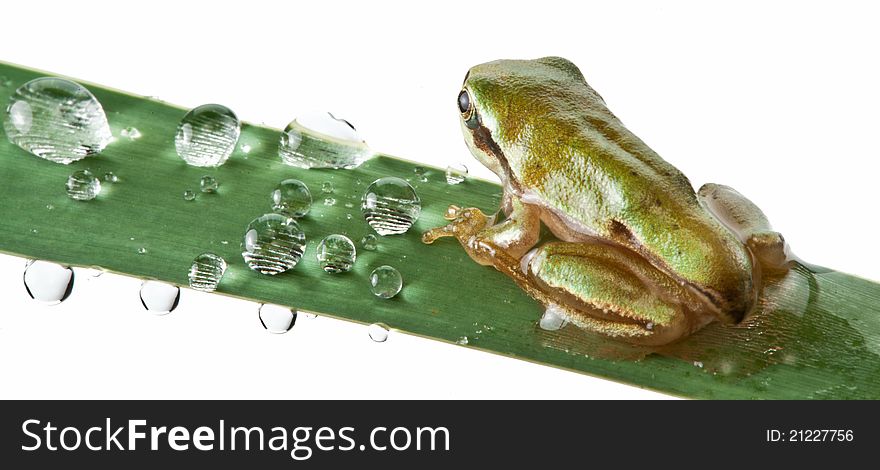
(159, 298)
(390, 205)
(245, 148)
(336, 253)
(5, 81)
(349, 205)
(329, 201)
(456, 173)
(327, 187)
(462, 340)
(208, 184)
(110, 177)
(56, 119)
(50, 207)
(385, 282)
(47, 282)
(142, 251)
(273, 243)
(132, 133)
(83, 186)
(378, 332)
(553, 318)
(419, 170)
(319, 140)
(292, 198)
(224, 242)
(277, 319)
(189, 195)
(206, 271)
(370, 242)
(348, 216)
(698, 364)
(207, 135)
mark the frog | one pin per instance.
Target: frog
(637, 254)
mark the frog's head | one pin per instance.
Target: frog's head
(505, 104)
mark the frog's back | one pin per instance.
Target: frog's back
(582, 162)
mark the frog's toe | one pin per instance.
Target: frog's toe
(452, 212)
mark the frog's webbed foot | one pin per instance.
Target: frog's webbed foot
(749, 224)
(464, 224)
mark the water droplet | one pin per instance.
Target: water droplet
(456, 173)
(319, 140)
(273, 243)
(5, 81)
(462, 340)
(349, 205)
(370, 242)
(390, 205)
(142, 251)
(327, 187)
(336, 253)
(189, 195)
(206, 271)
(277, 319)
(208, 184)
(132, 133)
(419, 170)
(207, 135)
(329, 201)
(385, 282)
(159, 297)
(553, 318)
(378, 332)
(47, 282)
(50, 207)
(83, 186)
(56, 119)
(292, 198)
(698, 364)
(110, 177)
(245, 148)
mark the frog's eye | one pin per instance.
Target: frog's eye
(465, 105)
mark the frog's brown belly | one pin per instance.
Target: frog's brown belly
(730, 302)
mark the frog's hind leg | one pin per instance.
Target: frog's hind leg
(748, 222)
(613, 291)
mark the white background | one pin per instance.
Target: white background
(779, 100)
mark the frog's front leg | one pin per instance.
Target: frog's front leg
(484, 241)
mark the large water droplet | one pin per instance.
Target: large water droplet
(159, 297)
(273, 243)
(56, 119)
(207, 135)
(82, 185)
(47, 282)
(336, 253)
(277, 319)
(378, 332)
(292, 198)
(456, 173)
(385, 282)
(206, 271)
(320, 140)
(390, 205)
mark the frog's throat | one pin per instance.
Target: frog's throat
(485, 143)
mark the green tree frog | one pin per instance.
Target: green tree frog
(640, 255)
